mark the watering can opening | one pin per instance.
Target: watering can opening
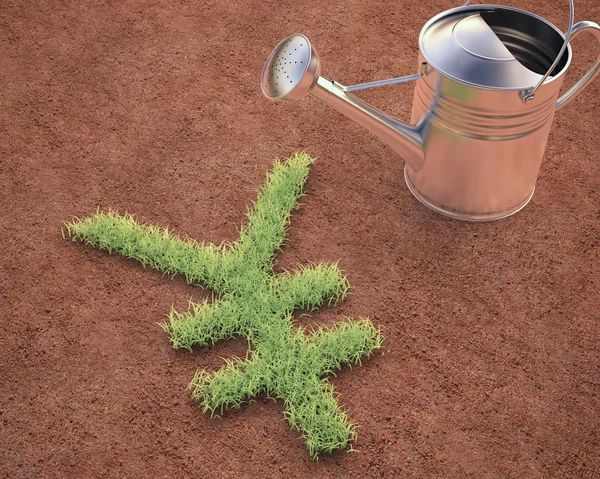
(495, 48)
(532, 42)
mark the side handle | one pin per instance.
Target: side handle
(592, 72)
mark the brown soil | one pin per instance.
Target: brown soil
(491, 360)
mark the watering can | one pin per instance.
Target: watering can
(485, 95)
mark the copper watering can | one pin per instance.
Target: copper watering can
(484, 100)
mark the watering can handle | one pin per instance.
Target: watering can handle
(592, 72)
(527, 95)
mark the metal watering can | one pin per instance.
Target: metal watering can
(484, 100)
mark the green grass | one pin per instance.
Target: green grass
(284, 361)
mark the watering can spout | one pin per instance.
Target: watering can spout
(292, 72)
(405, 139)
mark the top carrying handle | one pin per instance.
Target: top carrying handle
(529, 94)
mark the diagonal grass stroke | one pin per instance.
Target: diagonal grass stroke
(285, 362)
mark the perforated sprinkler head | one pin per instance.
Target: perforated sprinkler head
(291, 71)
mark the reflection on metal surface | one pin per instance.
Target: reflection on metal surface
(459, 215)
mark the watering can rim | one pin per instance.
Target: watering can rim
(488, 7)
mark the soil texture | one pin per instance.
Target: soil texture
(490, 366)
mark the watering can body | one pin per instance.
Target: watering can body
(483, 148)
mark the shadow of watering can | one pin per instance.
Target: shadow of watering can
(484, 100)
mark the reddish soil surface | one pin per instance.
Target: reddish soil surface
(490, 366)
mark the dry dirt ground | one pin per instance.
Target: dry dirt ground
(491, 365)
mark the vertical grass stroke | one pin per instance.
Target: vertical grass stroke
(285, 362)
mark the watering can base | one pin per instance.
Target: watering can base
(464, 215)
